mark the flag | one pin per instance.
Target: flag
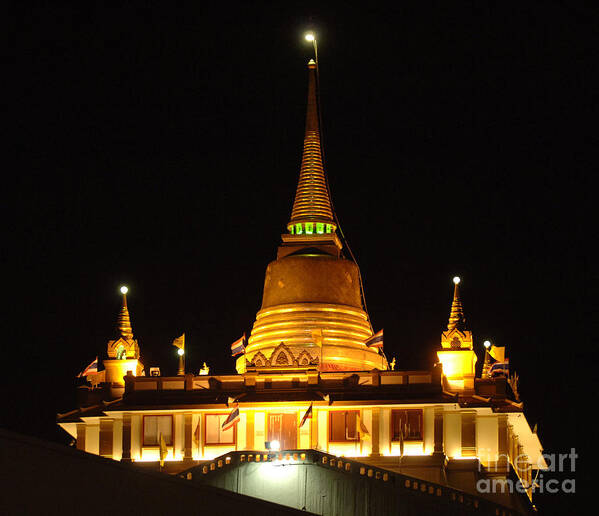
(196, 434)
(233, 419)
(361, 428)
(498, 353)
(500, 368)
(376, 341)
(307, 415)
(400, 439)
(90, 369)
(179, 342)
(163, 450)
(317, 337)
(238, 347)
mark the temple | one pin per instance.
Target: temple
(314, 390)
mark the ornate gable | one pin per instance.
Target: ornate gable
(122, 349)
(282, 357)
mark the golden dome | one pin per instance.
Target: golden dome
(312, 312)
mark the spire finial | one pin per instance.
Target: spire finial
(124, 321)
(456, 316)
(312, 211)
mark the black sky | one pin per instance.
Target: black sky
(160, 148)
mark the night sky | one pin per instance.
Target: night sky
(160, 148)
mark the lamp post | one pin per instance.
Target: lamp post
(311, 37)
(487, 362)
(181, 353)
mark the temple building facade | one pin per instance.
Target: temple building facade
(313, 386)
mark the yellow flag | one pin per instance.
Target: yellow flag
(179, 342)
(362, 430)
(317, 337)
(498, 353)
(196, 435)
(163, 450)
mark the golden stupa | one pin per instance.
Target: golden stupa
(312, 314)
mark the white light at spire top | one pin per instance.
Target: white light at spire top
(456, 280)
(124, 290)
(310, 36)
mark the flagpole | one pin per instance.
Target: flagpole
(181, 371)
(179, 343)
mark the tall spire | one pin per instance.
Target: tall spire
(456, 317)
(124, 321)
(312, 211)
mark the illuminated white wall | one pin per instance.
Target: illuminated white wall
(323, 430)
(259, 430)
(92, 439)
(384, 424)
(429, 430)
(487, 434)
(367, 443)
(452, 434)
(179, 440)
(242, 431)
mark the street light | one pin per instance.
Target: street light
(487, 363)
(311, 37)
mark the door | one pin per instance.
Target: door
(283, 428)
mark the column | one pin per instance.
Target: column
(81, 436)
(187, 443)
(249, 430)
(126, 457)
(106, 438)
(439, 447)
(502, 443)
(375, 432)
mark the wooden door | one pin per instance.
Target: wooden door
(283, 428)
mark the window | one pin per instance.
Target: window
(214, 431)
(406, 423)
(156, 425)
(342, 425)
(121, 353)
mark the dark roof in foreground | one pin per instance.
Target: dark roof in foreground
(40, 477)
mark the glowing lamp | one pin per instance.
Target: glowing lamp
(487, 344)
(310, 36)
(124, 290)
(456, 280)
(275, 445)
(180, 352)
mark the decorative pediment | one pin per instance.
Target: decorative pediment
(122, 349)
(282, 356)
(456, 339)
(305, 359)
(259, 360)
